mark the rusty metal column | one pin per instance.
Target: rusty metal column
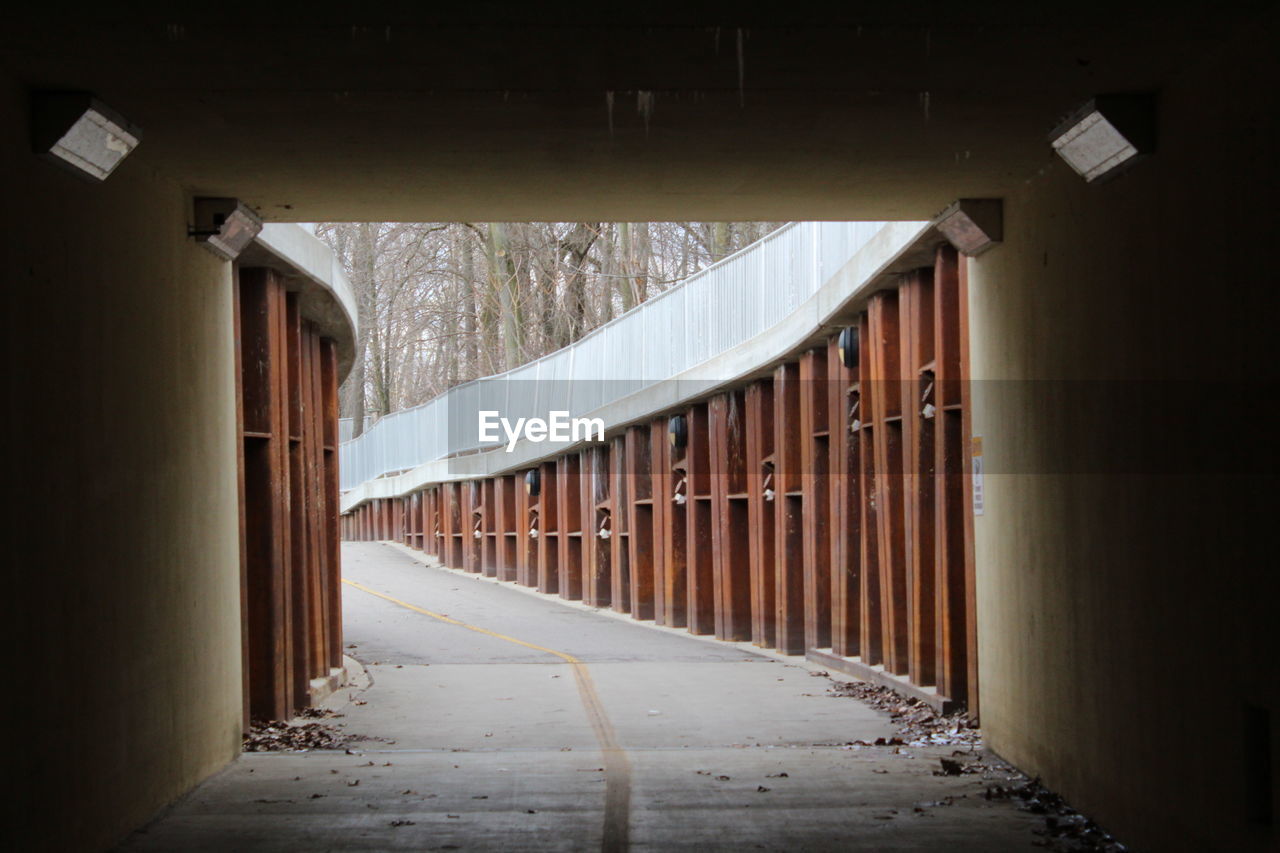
(815, 457)
(843, 413)
(789, 511)
(730, 542)
(761, 513)
(620, 491)
(638, 471)
(263, 342)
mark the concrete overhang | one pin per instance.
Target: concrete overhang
(310, 268)
(506, 111)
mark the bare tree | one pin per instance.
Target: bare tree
(444, 303)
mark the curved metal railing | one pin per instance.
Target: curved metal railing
(709, 313)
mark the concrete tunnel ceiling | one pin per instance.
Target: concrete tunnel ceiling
(502, 112)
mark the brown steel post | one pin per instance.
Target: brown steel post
(504, 507)
(638, 474)
(526, 543)
(660, 480)
(549, 536)
(333, 561)
(968, 692)
(886, 391)
(619, 490)
(699, 572)
(871, 620)
(597, 526)
(488, 528)
(674, 497)
(762, 497)
(731, 569)
(815, 463)
(843, 410)
(296, 368)
(265, 436)
(789, 510)
(473, 525)
(919, 414)
(569, 524)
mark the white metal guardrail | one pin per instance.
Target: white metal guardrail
(709, 313)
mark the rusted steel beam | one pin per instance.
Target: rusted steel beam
(950, 449)
(321, 514)
(308, 618)
(660, 466)
(454, 518)
(619, 489)
(301, 606)
(488, 528)
(788, 511)
(731, 563)
(549, 531)
(435, 529)
(263, 341)
(919, 415)
(430, 523)
(569, 524)
(761, 510)
(526, 526)
(504, 507)
(245, 686)
(888, 441)
(641, 552)
(333, 560)
(673, 497)
(815, 463)
(871, 621)
(968, 692)
(699, 572)
(473, 525)
(597, 526)
(843, 410)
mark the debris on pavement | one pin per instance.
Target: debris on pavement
(318, 714)
(918, 724)
(1065, 829)
(280, 736)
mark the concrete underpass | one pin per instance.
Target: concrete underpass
(477, 742)
(1104, 606)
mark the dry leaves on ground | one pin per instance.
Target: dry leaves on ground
(280, 736)
(918, 724)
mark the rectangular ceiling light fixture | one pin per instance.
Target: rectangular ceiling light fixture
(1107, 135)
(80, 133)
(225, 226)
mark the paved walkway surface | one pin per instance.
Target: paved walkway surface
(504, 720)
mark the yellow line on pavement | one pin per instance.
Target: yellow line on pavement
(617, 767)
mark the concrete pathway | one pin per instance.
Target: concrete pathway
(505, 720)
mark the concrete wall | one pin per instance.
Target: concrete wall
(1126, 621)
(123, 594)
